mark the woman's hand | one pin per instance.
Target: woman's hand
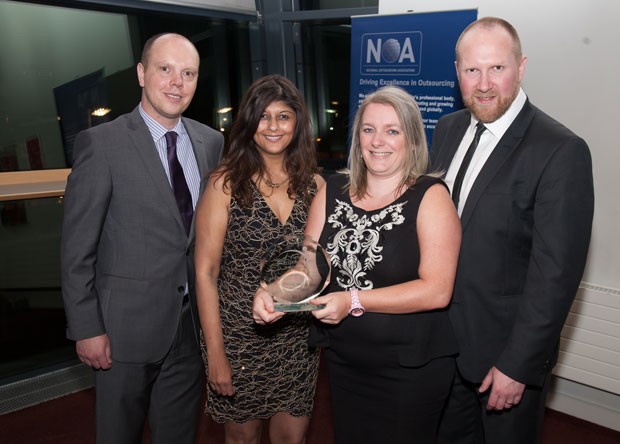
(220, 375)
(263, 310)
(337, 307)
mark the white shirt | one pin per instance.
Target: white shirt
(488, 141)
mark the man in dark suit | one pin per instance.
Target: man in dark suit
(526, 204)
(127, 245)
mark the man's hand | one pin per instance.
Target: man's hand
(505, 391)
(95, 352)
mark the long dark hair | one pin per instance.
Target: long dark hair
(242, 159)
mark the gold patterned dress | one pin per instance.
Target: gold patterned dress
(274, 369)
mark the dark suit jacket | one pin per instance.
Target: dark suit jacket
(125, 255)
(526, 230)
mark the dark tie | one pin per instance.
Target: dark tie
(458, 182)
(179, 185)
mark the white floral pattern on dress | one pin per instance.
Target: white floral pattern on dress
(354, 248)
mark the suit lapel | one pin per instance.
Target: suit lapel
(199, 145)
(505, 147)
(144, 145)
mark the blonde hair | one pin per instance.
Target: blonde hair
(416, 158)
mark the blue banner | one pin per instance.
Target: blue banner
(413, 51)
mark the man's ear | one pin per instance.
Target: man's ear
(140, 69)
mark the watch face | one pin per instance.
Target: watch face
(357, 312)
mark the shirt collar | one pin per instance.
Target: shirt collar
(157, 129)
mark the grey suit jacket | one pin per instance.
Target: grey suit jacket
(125, 256)
(526, 230)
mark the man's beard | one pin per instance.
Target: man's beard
(487, 114)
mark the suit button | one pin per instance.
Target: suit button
(181, 289)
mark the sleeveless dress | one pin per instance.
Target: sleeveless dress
(389, 374)
(273, 368)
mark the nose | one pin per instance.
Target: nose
(377, 139)
(273, 124)
(177, 79)
(484, 83)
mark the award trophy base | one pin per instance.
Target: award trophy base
(298, 271)
(291, 307)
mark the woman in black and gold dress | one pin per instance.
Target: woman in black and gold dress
(260, 194)
(393, 235)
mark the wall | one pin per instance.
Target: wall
(572, 74)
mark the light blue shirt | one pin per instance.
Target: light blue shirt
(185, 152)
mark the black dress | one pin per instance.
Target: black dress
(389, 374)
(273, 368)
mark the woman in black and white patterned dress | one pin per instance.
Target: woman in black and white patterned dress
(393, 235)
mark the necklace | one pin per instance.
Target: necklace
(275, 185)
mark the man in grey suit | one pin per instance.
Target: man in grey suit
(526, 203)
(127, 270)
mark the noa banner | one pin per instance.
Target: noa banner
(414, 51)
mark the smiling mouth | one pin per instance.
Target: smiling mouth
(485, 99)
(380, 153)
(272, 138)
(174, 96)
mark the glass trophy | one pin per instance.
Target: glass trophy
(298, 270)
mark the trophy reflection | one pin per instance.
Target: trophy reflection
(298, 271)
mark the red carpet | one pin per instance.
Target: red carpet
(71, 420)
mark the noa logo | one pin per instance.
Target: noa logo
(391, 53)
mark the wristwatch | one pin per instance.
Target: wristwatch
(357, 309)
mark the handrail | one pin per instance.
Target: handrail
(19, 185)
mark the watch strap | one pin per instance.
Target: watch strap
(357, 309)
